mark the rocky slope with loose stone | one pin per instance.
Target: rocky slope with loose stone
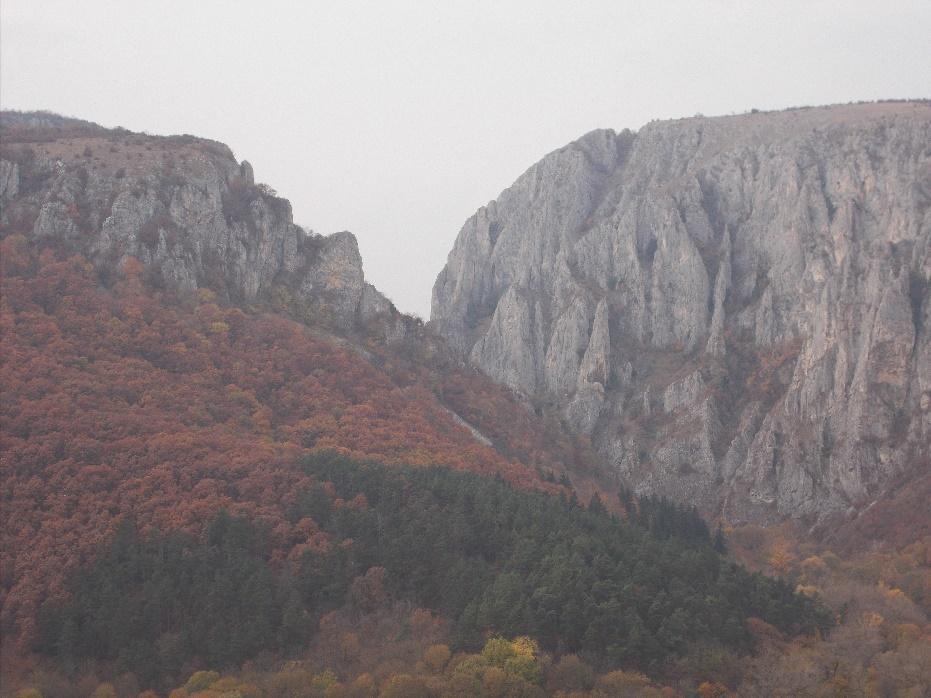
(735, 310)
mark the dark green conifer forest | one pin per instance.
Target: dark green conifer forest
(494, 559)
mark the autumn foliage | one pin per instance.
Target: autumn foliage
(127, 402)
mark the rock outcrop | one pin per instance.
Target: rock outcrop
(185, 208)
(735, 310)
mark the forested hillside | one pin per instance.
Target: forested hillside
(232, 468)
(124, 401)
(492, 559)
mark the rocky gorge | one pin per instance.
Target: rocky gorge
(732, 311)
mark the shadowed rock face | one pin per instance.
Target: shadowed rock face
(181, 205)
(734, 309)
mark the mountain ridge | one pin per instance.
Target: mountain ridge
(196, 219)
(143, 191)
(641, 285)
(179, 356)
(165, 322)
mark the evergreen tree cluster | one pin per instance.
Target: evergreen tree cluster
(150, 603)
(469, 547)
(667, 519)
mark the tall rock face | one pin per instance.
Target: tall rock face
(186, 217)
(735, 310)
(184, 207)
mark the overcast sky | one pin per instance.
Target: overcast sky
(396, 120)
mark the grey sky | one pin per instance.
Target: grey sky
(396, 120)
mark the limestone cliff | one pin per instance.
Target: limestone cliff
(181, 205)
(734, 309)
(196, 219)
